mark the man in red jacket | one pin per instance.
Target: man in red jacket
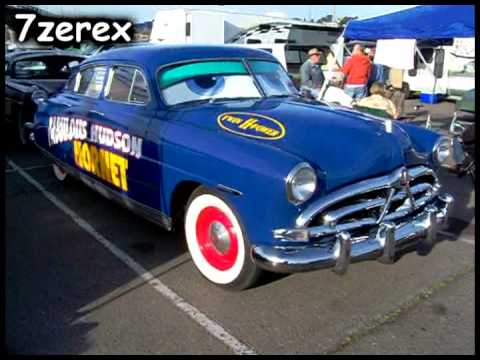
(357, 71)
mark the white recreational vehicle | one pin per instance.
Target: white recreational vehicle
(194, 26)
(453, 66)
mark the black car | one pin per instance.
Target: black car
(31, 75)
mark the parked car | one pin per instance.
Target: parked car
(215, 140)
(32, 75)
(463, 127)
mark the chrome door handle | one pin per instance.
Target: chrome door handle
(96, 112)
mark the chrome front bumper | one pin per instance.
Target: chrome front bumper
(420, 231)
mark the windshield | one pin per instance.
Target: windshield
(226, 79)
(273, 78)
(47, 67)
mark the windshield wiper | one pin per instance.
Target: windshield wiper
(236, 98)
(284, 95)
(212, 100)
(197, 101)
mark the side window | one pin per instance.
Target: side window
(127, 84)
(427, 54)
(91, 81)
(70, 86)
(120, 80)
(139, 93)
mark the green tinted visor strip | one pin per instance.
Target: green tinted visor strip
(263, 66)
(179, 73)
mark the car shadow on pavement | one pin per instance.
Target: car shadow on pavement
(62, 286)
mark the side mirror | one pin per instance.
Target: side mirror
(439, 62)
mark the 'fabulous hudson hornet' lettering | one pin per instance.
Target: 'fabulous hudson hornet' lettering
(105, 164)
(62, 129)
(252, 125)
(126, 143)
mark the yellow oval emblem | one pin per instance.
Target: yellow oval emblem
(251, 125)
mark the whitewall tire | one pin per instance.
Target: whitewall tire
(59, 173)
(217, 243)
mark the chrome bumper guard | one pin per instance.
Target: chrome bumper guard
(420, 231)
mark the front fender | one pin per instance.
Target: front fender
(423, 140)
(257, 174)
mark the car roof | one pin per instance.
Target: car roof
(23, 54)
(155, 55)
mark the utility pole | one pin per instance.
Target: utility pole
(334, 13)
(310, 13)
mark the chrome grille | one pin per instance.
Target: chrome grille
(360, 208)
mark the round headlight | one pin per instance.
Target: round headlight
(301, 183)
(448, 152)
(442, 150)
(39, 96)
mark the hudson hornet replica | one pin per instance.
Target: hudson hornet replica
(216, 141)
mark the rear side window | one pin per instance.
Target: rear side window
(120, 83)
(127, 84)
(91, 81)
(139, 93)
(70, 86)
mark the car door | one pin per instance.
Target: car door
(81, 95)
(126, 109)
(16, 91)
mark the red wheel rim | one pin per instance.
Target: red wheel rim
(216, 238)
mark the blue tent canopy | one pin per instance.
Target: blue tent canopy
(426, 22)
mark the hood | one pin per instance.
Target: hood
(343, 145)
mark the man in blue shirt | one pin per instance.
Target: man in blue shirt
(379, 72)
(311, 74)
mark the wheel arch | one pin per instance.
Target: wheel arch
(179, 199)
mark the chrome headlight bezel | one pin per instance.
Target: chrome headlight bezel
(448, 152)
(294, 193)
(39, 96)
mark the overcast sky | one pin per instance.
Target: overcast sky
(146, 12)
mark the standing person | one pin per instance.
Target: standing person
(357, 71)
(311, 75)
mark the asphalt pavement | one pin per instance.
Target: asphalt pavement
(86, 276)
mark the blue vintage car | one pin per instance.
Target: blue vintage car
(215, 140)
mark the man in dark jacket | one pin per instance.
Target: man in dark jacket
(311, 74)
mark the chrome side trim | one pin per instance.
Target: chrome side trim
(144, 211)
(228, 189)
